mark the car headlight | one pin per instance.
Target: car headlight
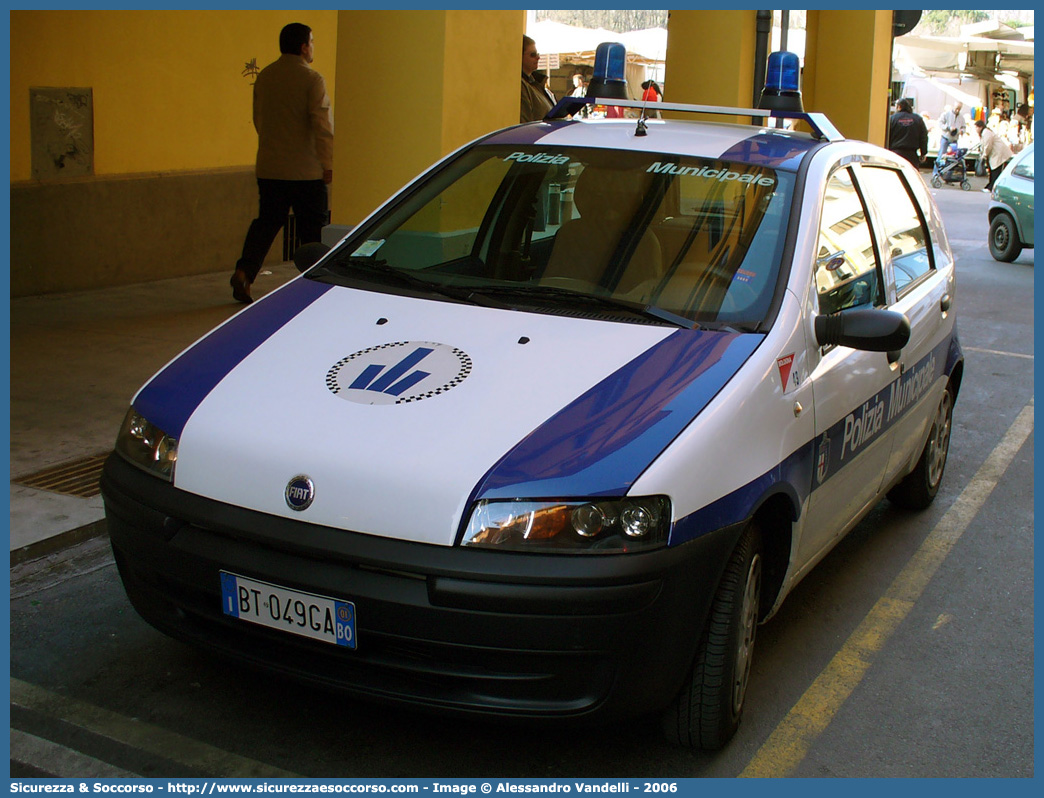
(147, 446)
(598, 526)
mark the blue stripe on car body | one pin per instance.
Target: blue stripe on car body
(173, 395)
(807, 469)
(602, 442)
(771, 150)
(792, 477)
(525, 134)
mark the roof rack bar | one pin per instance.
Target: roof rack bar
(821, 126)
(570, 105)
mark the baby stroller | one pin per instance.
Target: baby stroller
(952, 167)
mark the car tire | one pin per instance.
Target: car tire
(707, 710)
(1004, 238)
(917, 490)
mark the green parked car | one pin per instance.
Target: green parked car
(1011, 208)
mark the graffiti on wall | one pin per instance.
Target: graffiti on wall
(61, 132)
(251, 69)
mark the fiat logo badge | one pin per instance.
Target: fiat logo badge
(299, 493)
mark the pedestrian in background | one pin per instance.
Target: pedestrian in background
(580, 90)
(544, 81)
(294, 153)
(535, 102)
(907, 134)
(950, 124)
(995, 150)
(651, 92)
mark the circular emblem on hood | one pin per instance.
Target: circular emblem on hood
(398, 373)
(299, 493)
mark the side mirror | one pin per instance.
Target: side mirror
(307, 255)
(867, 329)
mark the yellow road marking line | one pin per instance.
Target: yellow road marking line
(141, 736)
(791, 741)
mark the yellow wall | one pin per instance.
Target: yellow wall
(412, 87)
(710, 58)
(169, 90)
(849, 84)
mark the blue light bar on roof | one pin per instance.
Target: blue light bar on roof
(782, 90)
(608, 78)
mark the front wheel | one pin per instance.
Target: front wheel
(918, 488)
(706, 713)
(1004, 238)
(936, 181)
(965, 185)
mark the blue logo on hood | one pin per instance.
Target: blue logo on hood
(299, 493)
(399, 373)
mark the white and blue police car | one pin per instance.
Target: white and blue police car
(557, 426)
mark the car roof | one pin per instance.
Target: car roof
(773, 148)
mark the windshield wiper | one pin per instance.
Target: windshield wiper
(382, 268)
(556, 294)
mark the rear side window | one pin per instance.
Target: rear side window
(1025, 167)
(847, 272)
(905, 234)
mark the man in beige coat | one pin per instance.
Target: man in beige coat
(294, 153)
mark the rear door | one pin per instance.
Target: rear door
(920, 281)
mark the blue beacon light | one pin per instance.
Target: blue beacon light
(782, 90)
(608, 78)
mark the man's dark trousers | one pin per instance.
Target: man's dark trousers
(276, 198)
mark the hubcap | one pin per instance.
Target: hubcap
(939, 441)
(1000, 237)
(747, 631)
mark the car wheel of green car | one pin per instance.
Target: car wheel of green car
(1004, 238)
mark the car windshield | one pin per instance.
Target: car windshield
(666, 238)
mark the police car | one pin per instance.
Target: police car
(553, 430)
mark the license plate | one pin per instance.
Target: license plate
(318, 617)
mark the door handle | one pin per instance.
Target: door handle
(946, 304)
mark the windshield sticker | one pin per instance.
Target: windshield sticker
(368, 248)
(721, 175)
(538, 157)
(743, 276)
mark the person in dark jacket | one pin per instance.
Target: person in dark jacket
(907, 134)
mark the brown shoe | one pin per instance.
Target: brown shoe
(241, 287)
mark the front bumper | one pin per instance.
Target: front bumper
(472, 631)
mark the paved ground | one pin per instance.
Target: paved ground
(77, 359)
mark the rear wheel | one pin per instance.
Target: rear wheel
(918, 488)
(936, 181)
(965, 185)
(1004, 238)
(706, 713)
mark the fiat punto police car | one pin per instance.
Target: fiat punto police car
(556, 427)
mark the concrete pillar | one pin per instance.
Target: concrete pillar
(412, 86)
(848, 58)
(710, 58)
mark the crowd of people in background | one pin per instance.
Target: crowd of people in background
(1015, 128)
(998, 136)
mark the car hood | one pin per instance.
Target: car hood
(403, 411)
